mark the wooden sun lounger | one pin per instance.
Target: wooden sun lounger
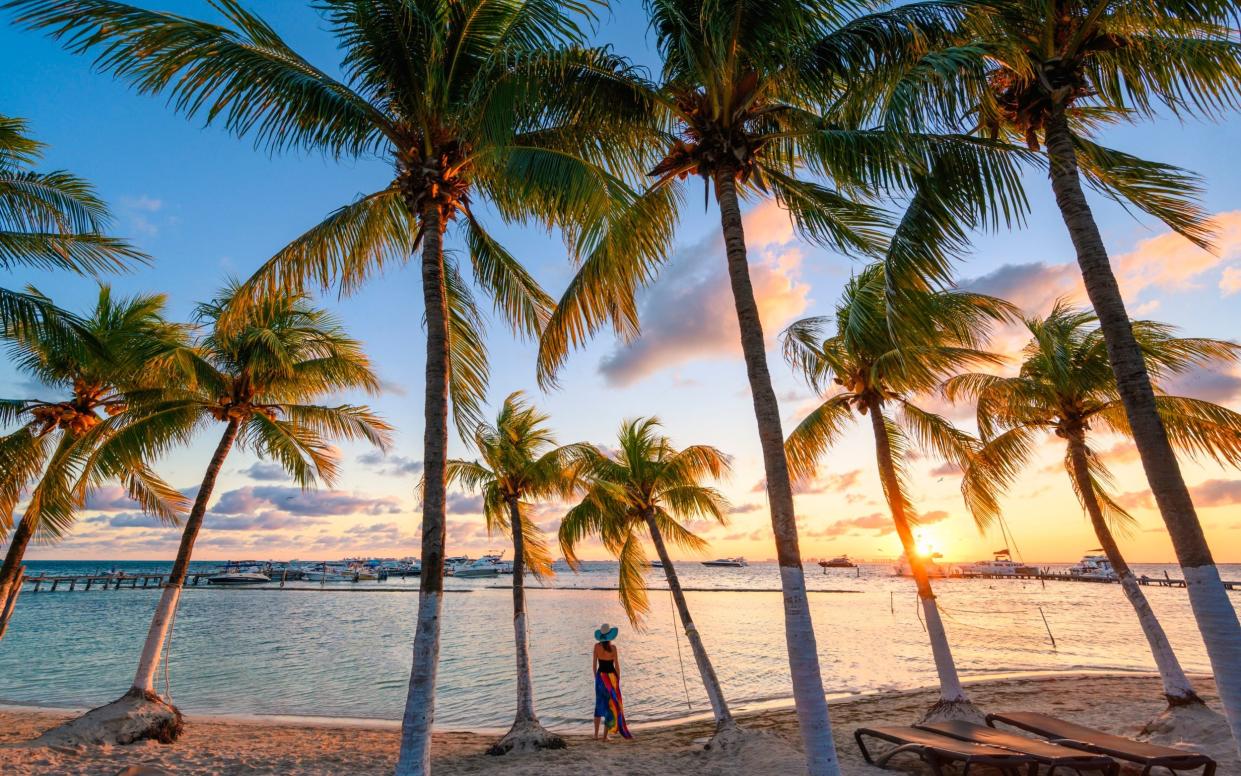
(1149, 756)
(1052, 756)
(938, 750)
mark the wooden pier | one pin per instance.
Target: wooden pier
(106, 581)
(1061, 576)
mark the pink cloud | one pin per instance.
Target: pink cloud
(689, 312)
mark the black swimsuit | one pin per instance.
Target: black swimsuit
(607, 666)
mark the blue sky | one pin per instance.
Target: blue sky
(208, 206)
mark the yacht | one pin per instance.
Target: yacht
(486, 566)
(1093, 566)
(737, 562)
(838, 562)
(1001, 564)
(323, 572)
(234, 576)
(933, 569)
(656, 564)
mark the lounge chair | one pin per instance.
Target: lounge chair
(1052, 756)
(1149, 756)
(938, 750)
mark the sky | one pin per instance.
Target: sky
(209, 207)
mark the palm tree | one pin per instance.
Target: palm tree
(1051, 73)
(1066, 387)
(256, 379)
(881, 375)
(745, 92)
(472, 100)
(520, 464)
(49, 220)
(95, 368)
(649, 487)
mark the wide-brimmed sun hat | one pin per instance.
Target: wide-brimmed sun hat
(606, 632)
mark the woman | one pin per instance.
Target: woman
(609, 708)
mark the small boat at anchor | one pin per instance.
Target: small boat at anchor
(236, 576)
(1000, 565)
(838, 562)
(737, 562)
(1094, 566)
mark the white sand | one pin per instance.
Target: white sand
(222, 747)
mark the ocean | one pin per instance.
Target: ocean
(343, 650)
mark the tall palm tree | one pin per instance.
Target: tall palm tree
(647, 489)
(1066, 387)
(881, 375)
(1049, 74)
(94, 370)
(49, 220)
(745, 94)
(256, 379)
(521, 464)
(472, 101)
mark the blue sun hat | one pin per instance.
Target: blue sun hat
(606, 632)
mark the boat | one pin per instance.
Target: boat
(838, 562)
(1094, 566)
(236, 576)
(737, 562)
(933, 569)
(486, 566)
(1001, 565)
(656, 564)
(322, 572)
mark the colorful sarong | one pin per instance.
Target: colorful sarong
(609, 705)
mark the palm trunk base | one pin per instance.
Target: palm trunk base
(526, 736)
(728, 736)
(962, 710)
(1189, 721)
(136, 716)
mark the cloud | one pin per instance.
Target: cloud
(1216, 493)
(127, 520)
(295, 501)
(878, 522)
(741, 509)
(825, 482)
(689, 312)
(1032, 287)
(266, 471)
(946, 470)
(1169, 261)
(109, 498)
(463, 504)
(271, 520)
(1207, 384)
(390, 465)
(1230, 281)
(139, 210)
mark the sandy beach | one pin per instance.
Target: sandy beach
(211, 745)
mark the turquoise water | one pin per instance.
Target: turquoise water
(344, 649)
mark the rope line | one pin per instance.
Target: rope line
(676, 636)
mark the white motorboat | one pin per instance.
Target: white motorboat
(838, 562)
(933, 569)
(1094, 567)
(1001, 564)
(322, 572)
(737, 562)
(486, 566)
(236, 578)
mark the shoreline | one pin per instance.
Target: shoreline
(761, 706)
(1119, 703)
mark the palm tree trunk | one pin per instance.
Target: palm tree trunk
(808, 695)
(951, 692)
(157, 634)
(1217, 619)
(10, 573)
(525, 690)
(1176, 686)
(710, 682)
(415, 754)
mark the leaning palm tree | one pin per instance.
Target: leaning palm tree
(49, 220)
(881, 374)
(521, 464)
(256, 379)
(94, 369)
(746, 93)
(646, 490)
(1051, 73)
(1066, 386)
(472, 101)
